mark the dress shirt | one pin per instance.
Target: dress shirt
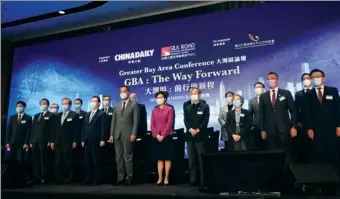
(322, 89)
(276, 92)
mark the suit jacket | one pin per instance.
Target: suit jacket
(18, 134)
(245, 124)
(196, 116)
(161, 121)
(94, 131)
(42, 130)
(278, 116)
(254, 111)
(67, 132)
(80, 124)
(324, 118)
(189, 102)
(222, 119)
(108, 119)
(143, 124)
(174, 115)
(122, 126)
(300, 100)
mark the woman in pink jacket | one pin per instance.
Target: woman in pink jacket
(161, 128)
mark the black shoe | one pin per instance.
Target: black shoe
(96, 184)
(192, 184)
(166, 183)
(127, 182)
(43, 181)
(85, 183)
(118, 183)
(159, 183)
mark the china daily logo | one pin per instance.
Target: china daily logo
(254, 42)
(134, 55)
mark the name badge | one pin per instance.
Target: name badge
(80, 117)
(329, 97)
(46, 118)
(69, 119)
(282, 98)
(241, 115)
(23, 121)
(199, 112)
(110, 113)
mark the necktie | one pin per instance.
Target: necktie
(40, 116)
(19, 118)
(273, 98)
(91, 116)
(320, 95)
(63, 117)
(123, 109)
(106, 110)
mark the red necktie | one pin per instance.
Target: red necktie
(273, 98)
(320, 95)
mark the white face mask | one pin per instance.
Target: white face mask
(317, 81)
(307, 82)
(160, 101)
(229, 100)
(258, 91)
(123, 96)
(106, 103)
(53, 110)
(194, 97)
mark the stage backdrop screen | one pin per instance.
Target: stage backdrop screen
(218, 52)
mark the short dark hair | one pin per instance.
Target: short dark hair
(78, 99)
(228, 93)
(69, 100)
(262, 84)
(107, 96)
(47, 101)
(22, 103)
(317, 70)
(199, 91)
(273, 73)
(96, 97)
(304, 75)
(127, 88)
(165, 95)
(55, 104)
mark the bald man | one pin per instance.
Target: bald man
(142, 127)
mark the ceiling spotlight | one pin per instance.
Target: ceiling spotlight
(61, 12)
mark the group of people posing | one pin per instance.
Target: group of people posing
(273, 120)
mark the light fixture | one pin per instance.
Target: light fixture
(61, 12)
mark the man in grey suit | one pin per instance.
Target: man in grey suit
(124, 128)
(222, 117)
(254, 111)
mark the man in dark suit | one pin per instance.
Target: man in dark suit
(190, 101)
(322, 115)
(143, 125)
(124, 127)
(254, 111)
(275, 124)
(94, 137)
(108, 113)
(17, 141)
(64, 141)
(78, 103)
(300, 143)
(42, 129)
(196, 119)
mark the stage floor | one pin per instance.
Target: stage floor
(117, 192)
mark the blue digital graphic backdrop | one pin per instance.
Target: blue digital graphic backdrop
(232, 50)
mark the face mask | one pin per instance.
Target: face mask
(271, 83)
(306, 82)
(194, 97)
(317, 81)
(106, 103)
(43, 108)
(77, 106)
(133, 99)
(53, 110)
(93, 105)
(258, 91)
(20, 109)
(237, 103)
(229, 100)
(160, 101)
(123, 96)
(66, 108)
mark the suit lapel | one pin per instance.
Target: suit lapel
(233, 115)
